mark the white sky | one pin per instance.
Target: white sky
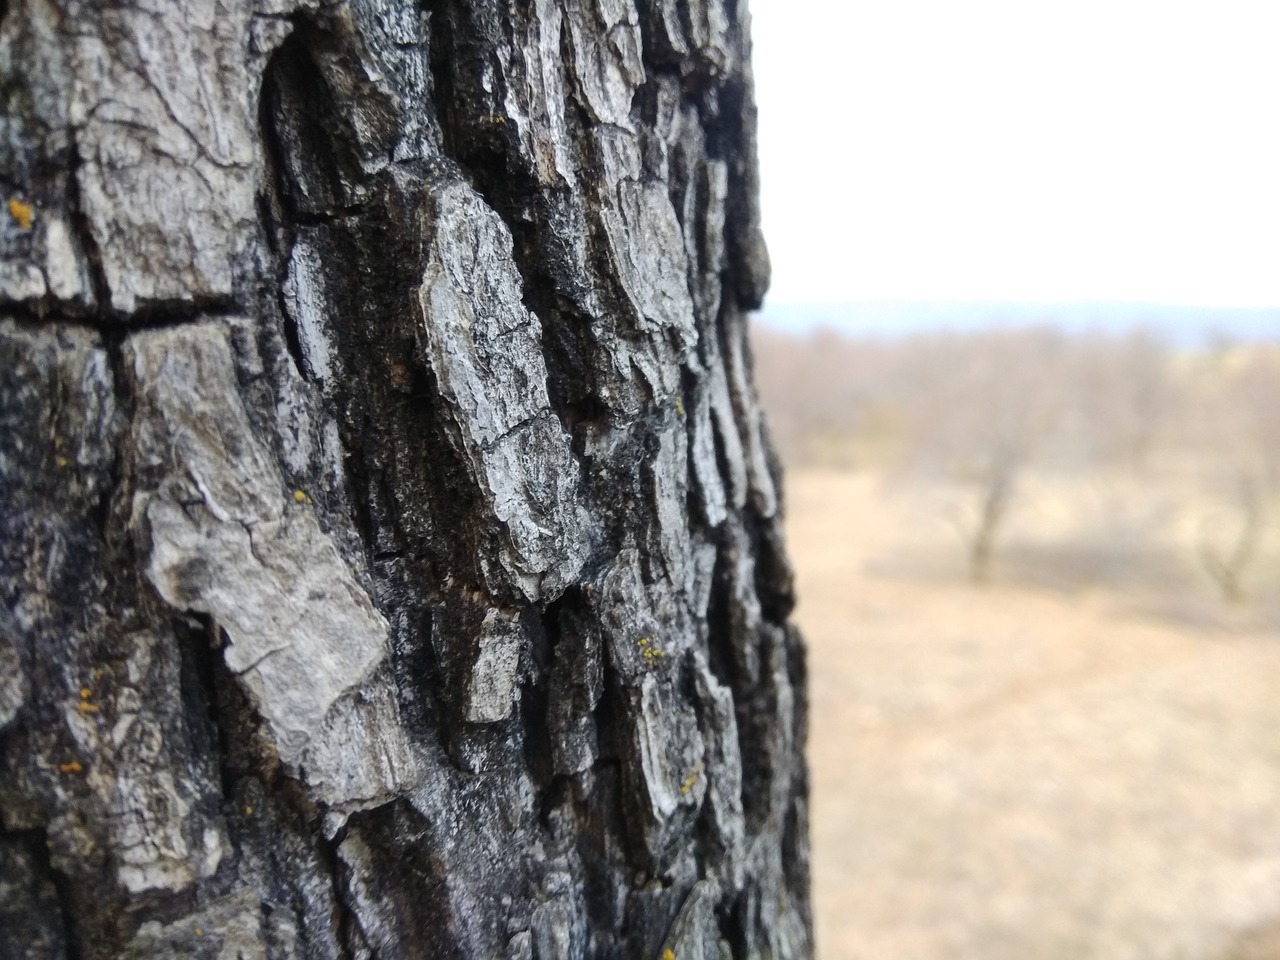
(1021, 149)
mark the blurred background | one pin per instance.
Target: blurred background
(1021, 358)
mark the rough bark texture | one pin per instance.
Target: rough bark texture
(389, 541)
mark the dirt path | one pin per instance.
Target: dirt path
(1020, 774)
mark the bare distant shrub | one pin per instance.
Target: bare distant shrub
(1237, 428)
(993, 406)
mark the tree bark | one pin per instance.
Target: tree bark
(390, 538)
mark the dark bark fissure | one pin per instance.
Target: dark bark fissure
(116, 328)
(37, 911)
(202, 679)
(299, 110)
(481, 144)
(99, 289)
(291, 74)
(67, 902)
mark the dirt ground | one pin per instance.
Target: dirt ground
(1031, 771)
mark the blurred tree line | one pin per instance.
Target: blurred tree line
(981, 412)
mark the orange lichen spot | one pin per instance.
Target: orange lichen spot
(87, 707)
(22, 212)
(72, 767)
(85, 693)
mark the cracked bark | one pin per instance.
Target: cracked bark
(390, 544)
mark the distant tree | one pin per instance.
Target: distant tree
(994, 401)
(1239, 437)
(1227, 551)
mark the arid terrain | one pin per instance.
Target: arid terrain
(1079, 760)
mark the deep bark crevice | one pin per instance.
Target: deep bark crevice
(754, 708)
(110, 509)
(115, 325)
(720, 633)
(614, 732)
(276, 209)
(99, 287)
(417, 899)
(67, 903)
(199, 645)
(43, 911)
(487, 154)
(345, 921)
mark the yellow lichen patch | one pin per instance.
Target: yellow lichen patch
(248, 811)
(85, 693)
(62, 462)
(300, 496)
(650, 650)
(679, 405)
(72, 767)
(87, 707)
(22, 212)
(197, 931)
(668, 954)
(691, 780)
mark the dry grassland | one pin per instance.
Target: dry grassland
(1081, 760)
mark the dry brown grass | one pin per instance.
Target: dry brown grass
(1079, 761)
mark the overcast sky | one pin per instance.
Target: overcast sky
(1021, 150)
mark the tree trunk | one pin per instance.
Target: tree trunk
(390, 541)
(996, 492)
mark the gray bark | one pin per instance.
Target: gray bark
(390, 540)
